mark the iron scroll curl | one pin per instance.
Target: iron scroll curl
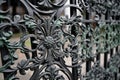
(44, 26)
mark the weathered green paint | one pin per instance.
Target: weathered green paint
(50, 38)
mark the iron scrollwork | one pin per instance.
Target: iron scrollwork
(101, 6)
(53, 43)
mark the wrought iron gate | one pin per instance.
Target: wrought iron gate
(84, 46)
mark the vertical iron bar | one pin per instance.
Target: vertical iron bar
(14, 5)
(115, 74)
(88, 63)
(31, 31)
(33, 46)
(8, 3)
(98, 57)
(73, 31)
(105, 59)
(73, 12)
(116, 49)
(106, 53)
(4, 52)
(111, 52)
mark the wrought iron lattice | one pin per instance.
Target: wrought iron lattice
(97, 31)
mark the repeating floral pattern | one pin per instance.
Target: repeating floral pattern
(51, 42)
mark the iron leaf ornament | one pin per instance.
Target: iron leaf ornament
(51, 41)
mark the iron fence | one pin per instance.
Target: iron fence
(83, 46)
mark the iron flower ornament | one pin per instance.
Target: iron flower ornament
(51, 44)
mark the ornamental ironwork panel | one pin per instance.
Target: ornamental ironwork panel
(57, 47)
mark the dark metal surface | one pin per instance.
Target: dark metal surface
(96, 32)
